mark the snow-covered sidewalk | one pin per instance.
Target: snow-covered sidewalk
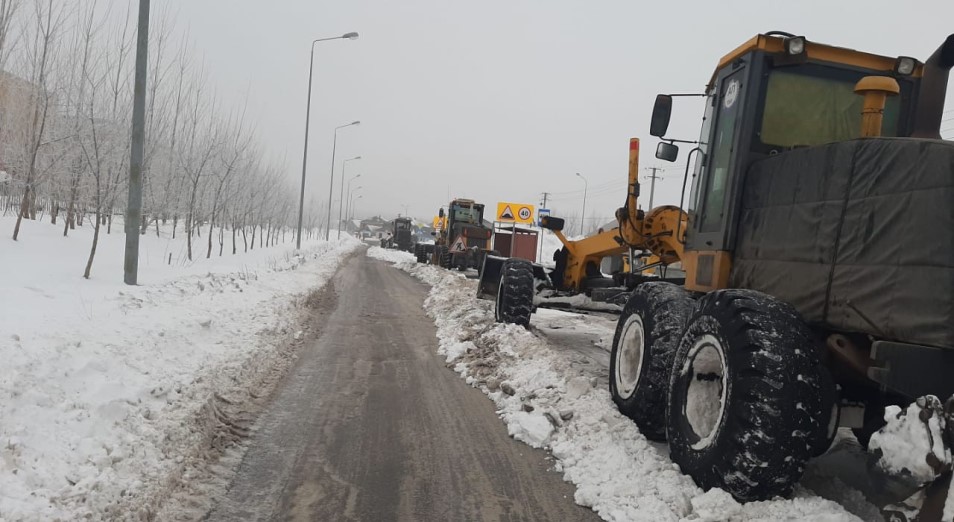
(108, 391)
(552, 399)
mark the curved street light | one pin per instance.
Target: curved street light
(341, 191)
(331, 182)
(351, 192)
(304, 158)
(583, 217)
(355, 203)
(352, 178)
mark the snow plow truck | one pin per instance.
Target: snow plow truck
(818, 248)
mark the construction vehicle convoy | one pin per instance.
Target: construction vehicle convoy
(818, 259)
(461, 240)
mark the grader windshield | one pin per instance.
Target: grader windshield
(814, 105)
(472, 214)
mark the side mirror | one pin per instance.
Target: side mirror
(667, 151)
(552, 223)
(662, 112)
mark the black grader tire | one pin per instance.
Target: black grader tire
(444, 257)
(644, 346)
(746, 396)
(515, 293)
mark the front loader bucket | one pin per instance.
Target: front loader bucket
(490, 277)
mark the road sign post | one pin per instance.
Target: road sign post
(541, 213)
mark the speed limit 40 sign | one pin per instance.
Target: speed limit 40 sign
(515, 212)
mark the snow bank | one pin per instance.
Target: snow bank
(107, 391)
(548, 399)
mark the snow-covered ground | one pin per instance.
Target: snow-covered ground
(557, 398)
(107, 392)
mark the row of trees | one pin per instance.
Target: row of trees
(66, 71)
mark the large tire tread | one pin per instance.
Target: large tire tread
(515, 294)
(664, 309)
(774, 414)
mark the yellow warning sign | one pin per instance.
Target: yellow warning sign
(439, 223)
(458, 245)
(515, 212)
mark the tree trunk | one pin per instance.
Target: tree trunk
(208, 253)
(188, 233)
(245, 239)
(254, 227)
(109, 226)
(92, 251)
(233, 239)
(23, 211)
(175, 223)
(54, 212)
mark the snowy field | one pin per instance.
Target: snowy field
(109, 392)
(555, 397)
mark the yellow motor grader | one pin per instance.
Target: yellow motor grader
(818, 253)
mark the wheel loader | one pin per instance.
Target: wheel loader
(461, 241)
(818, 253)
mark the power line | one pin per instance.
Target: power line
(652, 185)
(578, 192)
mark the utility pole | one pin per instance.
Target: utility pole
(542, 205)
(652, 184)
(134, 201)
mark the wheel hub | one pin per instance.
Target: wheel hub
(629, 356)
(705, 393)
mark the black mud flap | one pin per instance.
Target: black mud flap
(489, 282)
(912, 370)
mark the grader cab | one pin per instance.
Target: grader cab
(818, 259)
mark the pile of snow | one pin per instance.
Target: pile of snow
(911, 443)
(108, 391)
(549, 399)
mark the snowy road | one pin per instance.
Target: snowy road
(370, 425)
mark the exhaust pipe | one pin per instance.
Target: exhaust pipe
(930, 107)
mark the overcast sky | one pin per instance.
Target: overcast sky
(503, 100)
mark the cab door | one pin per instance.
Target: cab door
(712, 199)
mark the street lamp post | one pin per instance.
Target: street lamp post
(348, 206)
(331, 182)
(350, 212)
(583, 217)
(353, 203)
(341, 192)
(304, 158)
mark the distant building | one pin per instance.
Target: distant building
(18, 102)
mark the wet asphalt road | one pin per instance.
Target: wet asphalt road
(370, 425)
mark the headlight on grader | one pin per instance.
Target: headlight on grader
(795, 45)
(905, 65)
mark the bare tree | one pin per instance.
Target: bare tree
(236, 148)
(40, 52)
